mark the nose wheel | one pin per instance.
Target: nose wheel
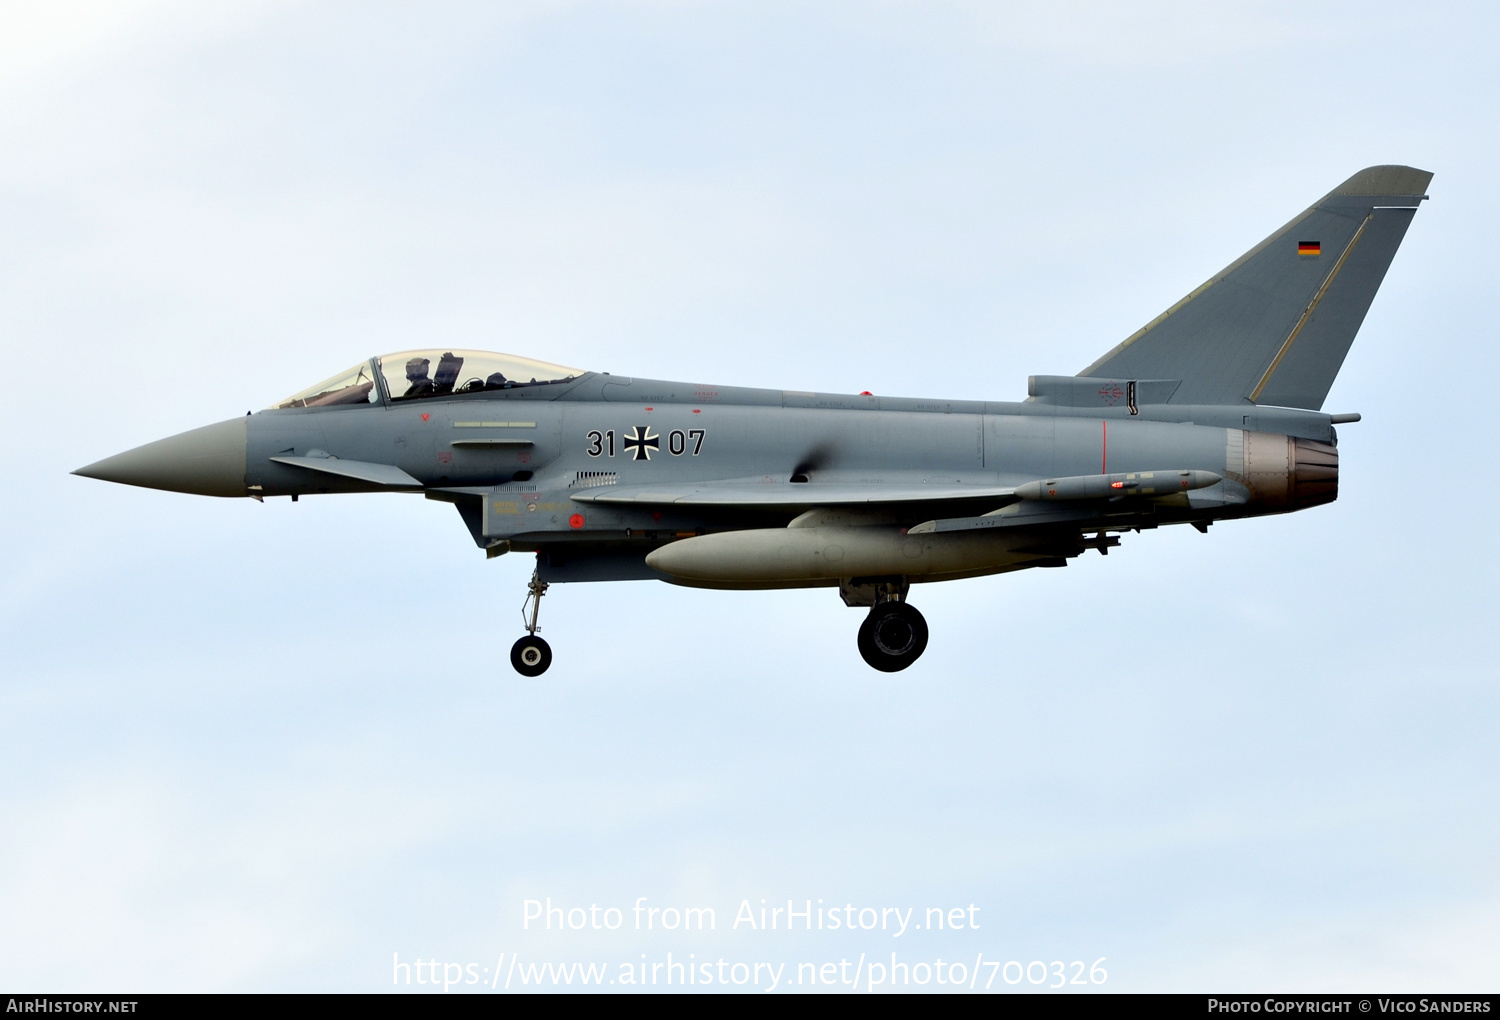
(892, 637)
(531, 655)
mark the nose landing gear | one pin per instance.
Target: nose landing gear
(892, 637)
(531, 655)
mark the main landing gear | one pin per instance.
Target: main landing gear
(893, 636)
(531, 655)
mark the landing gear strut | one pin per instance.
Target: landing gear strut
(893, 636)
(531, 655)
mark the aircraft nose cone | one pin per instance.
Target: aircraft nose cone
(209, 461)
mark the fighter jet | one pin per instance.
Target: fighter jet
(1209, 412)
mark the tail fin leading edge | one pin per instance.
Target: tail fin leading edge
(1274, 326)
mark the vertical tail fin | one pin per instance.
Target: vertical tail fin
(1275, 325)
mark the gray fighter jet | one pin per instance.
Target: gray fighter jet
(1210, 411)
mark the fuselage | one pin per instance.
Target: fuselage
(523, 464)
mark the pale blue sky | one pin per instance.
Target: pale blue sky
(264, 747)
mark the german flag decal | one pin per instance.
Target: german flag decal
(1309, 247)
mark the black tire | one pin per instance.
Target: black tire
(892, 637)
(531, 656)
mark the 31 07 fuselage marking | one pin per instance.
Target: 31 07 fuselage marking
(641, 442)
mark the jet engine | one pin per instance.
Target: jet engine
(1283, 471)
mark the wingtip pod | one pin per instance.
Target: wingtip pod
(1387, 180)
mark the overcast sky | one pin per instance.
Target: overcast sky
(267, 746)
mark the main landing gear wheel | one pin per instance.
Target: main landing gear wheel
(531, 656)
(892, 637)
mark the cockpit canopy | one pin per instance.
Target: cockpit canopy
(356, 386)
(411, 375)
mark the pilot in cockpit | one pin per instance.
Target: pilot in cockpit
(416, 376)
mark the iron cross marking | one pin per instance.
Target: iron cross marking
(642, 440)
